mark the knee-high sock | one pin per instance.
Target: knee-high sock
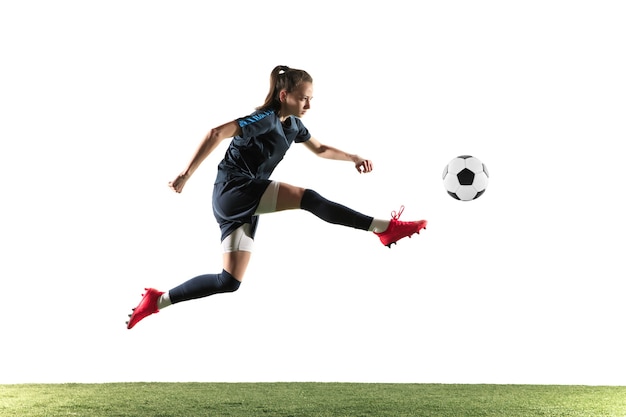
(333, 212)
(203, 286)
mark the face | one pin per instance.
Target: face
(298, 101)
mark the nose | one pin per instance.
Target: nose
(307, 105)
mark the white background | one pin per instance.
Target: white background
(103, 103)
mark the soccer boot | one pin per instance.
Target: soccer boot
(147, 306)
(398, 229)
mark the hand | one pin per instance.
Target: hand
(178, 184)
(364, 165)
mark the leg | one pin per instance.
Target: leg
(236, 263)
(332, 212)
(291, 197)
(388, 231)
(237, 252)
(236, 257)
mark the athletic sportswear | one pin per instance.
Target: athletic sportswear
(147, 306)
(398, 229)
(243, 174)
(332, 212)
(203, 286)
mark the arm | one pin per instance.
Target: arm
(210, 142)
(362, 165)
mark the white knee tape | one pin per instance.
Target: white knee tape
(239, 240)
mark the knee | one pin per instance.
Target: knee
(229, 282)
(309, 199)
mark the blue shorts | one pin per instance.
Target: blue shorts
(235, 201)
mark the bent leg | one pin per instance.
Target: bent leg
(237, 253)
(203, 286)
(236, 263)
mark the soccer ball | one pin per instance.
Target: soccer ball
(465, 178)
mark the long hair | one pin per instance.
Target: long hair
(283, 78)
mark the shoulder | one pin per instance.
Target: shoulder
(259, 116)
(303, 132)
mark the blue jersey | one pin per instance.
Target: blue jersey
(262, 145)
(243, 174)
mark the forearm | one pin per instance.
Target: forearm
(208, 145)
(205, 148)
(329, 152)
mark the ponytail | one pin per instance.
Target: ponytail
(283, 78)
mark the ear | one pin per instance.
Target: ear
(282, 95)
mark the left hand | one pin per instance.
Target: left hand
(363, 165)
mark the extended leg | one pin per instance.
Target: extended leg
(291, 197)
(388, 231)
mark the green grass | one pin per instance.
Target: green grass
(309, 400)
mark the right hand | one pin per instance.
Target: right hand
(179, 183)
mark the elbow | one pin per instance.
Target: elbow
(228, 130)
(215, 135)
(321, 150)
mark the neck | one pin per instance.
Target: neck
(282, 117)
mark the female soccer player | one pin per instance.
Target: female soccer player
(243, 190)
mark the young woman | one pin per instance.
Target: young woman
(243, 189)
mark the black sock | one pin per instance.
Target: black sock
(203, 286)
(333, 212)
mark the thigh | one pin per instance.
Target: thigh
(289, 197)
(235, 203)
(236, 263)
(267, 203)
(237, 199)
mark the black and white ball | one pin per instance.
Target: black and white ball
(465, 178)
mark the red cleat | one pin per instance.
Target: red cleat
(146, 307)
(398, 230)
